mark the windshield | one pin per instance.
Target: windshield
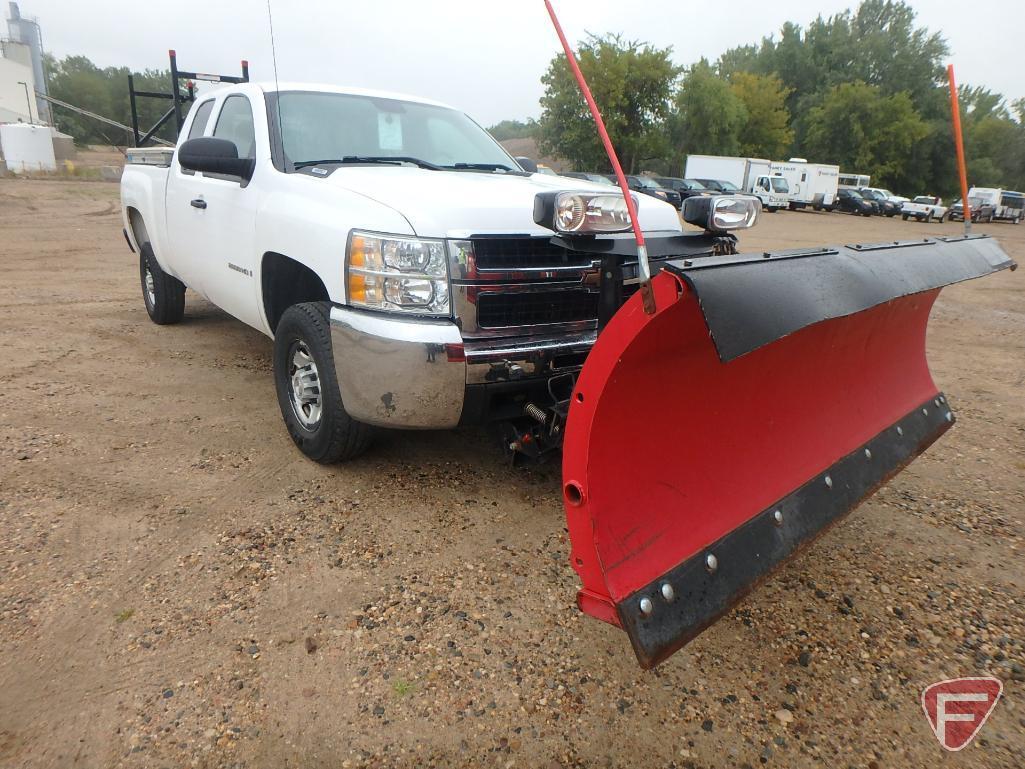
(924, 199)
(599, 179)
(729, 187)
(871, 194)
(855, 195)
(693, 184)
(779, 184)
(645, 181)
(334, 126)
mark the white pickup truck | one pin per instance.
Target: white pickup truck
(411, 273)
(924, 208)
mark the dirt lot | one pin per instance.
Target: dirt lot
(179, 587)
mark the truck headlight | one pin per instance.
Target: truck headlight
(582, 212)
(397, 273)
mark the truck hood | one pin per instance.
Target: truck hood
(457, 204)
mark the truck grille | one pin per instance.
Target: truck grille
(532, 308)
(525, 253)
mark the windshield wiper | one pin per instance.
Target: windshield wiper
(480, 167)
(391, 160)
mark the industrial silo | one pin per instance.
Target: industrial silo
(27, 31)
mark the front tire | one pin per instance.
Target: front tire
(904, 217)
(307, 387)
(163, 294)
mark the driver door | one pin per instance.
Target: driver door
(217, 216)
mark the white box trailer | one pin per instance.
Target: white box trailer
(750, 175)
(811, 184)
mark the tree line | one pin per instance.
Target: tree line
(865, 89)
(104, 90)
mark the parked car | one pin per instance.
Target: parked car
(924, 208)
(900, 200)
(688, 188)
(648, 186)
(981, 210)
(850, 201)
(587, 177)
(720, 185)
(886, 206)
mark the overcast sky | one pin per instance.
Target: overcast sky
(483, 56)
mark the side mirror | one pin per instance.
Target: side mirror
(528, 165)
(215, 156)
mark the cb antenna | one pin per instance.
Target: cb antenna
(277, 88)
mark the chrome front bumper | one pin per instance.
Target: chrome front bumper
(398, 372)
(413, 373)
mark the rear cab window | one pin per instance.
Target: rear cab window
(198, 127)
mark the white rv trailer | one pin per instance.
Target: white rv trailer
(1007, 204)
(857, 181)
(811, 184)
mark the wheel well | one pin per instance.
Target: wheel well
(286, 282)
(139, 231)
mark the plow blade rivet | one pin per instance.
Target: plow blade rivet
(667, 592)
(950, 417)
(646, 606)
(829, 482)
(778, 517)
(868, 453)
(900, 431)
(711, 562)
(942, 399)
(925, 412)
(936, 403)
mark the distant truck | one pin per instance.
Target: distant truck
(811, 184)
(924, 208)
(1007, 204)
(751, 175)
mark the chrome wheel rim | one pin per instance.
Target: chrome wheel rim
(304, 385)
(149, 287)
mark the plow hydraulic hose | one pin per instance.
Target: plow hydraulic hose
(644, 270)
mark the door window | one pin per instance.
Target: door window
(235, 123)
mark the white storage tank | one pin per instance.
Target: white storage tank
(27, 147)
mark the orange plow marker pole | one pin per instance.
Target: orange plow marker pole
(959, 144)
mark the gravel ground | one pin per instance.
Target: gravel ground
(179, 587)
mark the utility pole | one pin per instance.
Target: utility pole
(28, 100)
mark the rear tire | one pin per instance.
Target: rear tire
(307, 387)
(163, 294)
(904, 217)
(928, 218)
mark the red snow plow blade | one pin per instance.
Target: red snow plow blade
(767, 396)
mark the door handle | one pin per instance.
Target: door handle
(198, 203)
